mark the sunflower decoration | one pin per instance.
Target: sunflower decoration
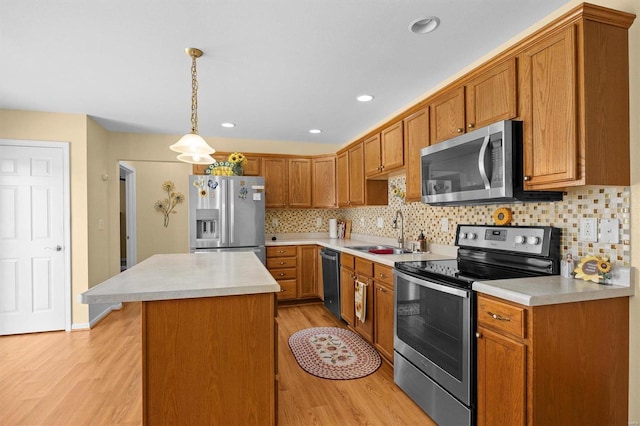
(238, 158)
(397, 192)
(594, 268)
(502, 216)
(167, 205)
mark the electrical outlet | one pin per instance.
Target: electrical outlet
(589, 230)
(444, 224)
(609, 231)
(274, 222)
(380, 222)
(318, 222)
(362, 221)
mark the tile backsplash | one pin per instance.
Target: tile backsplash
(583, 202)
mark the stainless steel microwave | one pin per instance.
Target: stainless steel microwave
(480, 167)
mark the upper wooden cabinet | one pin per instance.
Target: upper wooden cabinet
(299, 182)
(324, 182)
(416, 137)
(351, 177)
(491, 96)
(384, 151)
(485, 98)
(275, 174)
(574, 100)
(447, 115)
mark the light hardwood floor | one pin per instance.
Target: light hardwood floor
(94, 377)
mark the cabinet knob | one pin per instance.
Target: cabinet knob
(382, 275)
(282, 263)
(382, 289)
(460, 130)
(471, 125)
(478, 335)
(382, 167)
(526, 178)
(282, 274)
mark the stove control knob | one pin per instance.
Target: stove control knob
(463, 235)
(520, 239)
(471, 236)
(533, 240)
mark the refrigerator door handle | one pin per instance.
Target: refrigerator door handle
(232, 214)
(224, 228)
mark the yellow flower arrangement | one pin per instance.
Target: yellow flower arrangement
(239, 158)
(594, 268)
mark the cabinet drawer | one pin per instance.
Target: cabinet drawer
(281, 262)
(284, 274)
(364, 267)
(282, 251)
(383, 273)
(346, 260)
(501, 316)
(288, 289)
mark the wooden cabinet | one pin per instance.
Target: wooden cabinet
(383, 303)
(485, 98)
(574, 97)
(282, 262)
(319, 276)
(324, 182)
(416, 137)
(275, 181)
(384, 151)
(191, 350)
(347, 288)
(364, 274)
(307, 272)
(553, 364)
(447, 118)
(299, 182)
(353, 189)
(295, 269)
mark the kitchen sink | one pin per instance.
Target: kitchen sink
(396, 250)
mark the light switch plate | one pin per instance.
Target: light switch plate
(444, 224)
(609, 232)
(380, 222)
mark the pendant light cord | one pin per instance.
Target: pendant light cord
(194, 96)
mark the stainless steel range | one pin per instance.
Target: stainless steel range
(434, 344)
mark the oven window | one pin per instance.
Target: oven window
(431, 322)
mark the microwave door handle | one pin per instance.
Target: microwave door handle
(483, 171)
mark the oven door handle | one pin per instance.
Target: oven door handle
(434, 286)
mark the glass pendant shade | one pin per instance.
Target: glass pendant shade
(196, 158)
(192, 143)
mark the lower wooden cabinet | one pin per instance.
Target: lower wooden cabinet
(383, 304)
(555, 364)
(364, 274)
(295, 269)
(347, 288)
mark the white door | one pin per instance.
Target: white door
(32, 239)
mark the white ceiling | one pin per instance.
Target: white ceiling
(276, 68)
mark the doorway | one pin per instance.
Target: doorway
(35, 237)
(128, 229)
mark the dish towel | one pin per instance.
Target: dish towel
(361, 300)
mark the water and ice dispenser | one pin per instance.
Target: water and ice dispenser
(207, 224)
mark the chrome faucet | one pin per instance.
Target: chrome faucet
(401, 228)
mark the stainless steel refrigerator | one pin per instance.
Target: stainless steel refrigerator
(226, 213)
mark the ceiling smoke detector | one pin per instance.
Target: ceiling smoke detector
(424, 25)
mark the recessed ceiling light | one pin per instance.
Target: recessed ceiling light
(315, 131)
(424, 25)
(228, 125)
(365, 98)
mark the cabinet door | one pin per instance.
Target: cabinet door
(447, 115)
(319, 276)
(383, 316)
(307, 272)
(342, 163)
(392, 147)
(547, 87)
(299, 182)
(324, 182)
(347, 295)
(252, 168)
(275, 181)
(491, 96)
(356, 175)
(365, 328)
(372, 159)
(416, 137)
(501, 380)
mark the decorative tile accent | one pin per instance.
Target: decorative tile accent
(583, 202)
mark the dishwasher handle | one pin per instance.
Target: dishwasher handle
(333, 256)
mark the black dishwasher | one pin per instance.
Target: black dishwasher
(331, 280)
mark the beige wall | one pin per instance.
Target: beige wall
(71, 128)
(153, 237)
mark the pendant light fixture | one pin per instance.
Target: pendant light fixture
(192, 147)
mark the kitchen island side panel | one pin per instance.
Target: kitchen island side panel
(209, 360)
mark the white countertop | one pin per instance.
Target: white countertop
(550, 290)
(185, 276)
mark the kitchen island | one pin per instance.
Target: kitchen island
(208, 336)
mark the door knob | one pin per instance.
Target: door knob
(56, 248)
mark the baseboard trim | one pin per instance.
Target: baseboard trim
(97, 319)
